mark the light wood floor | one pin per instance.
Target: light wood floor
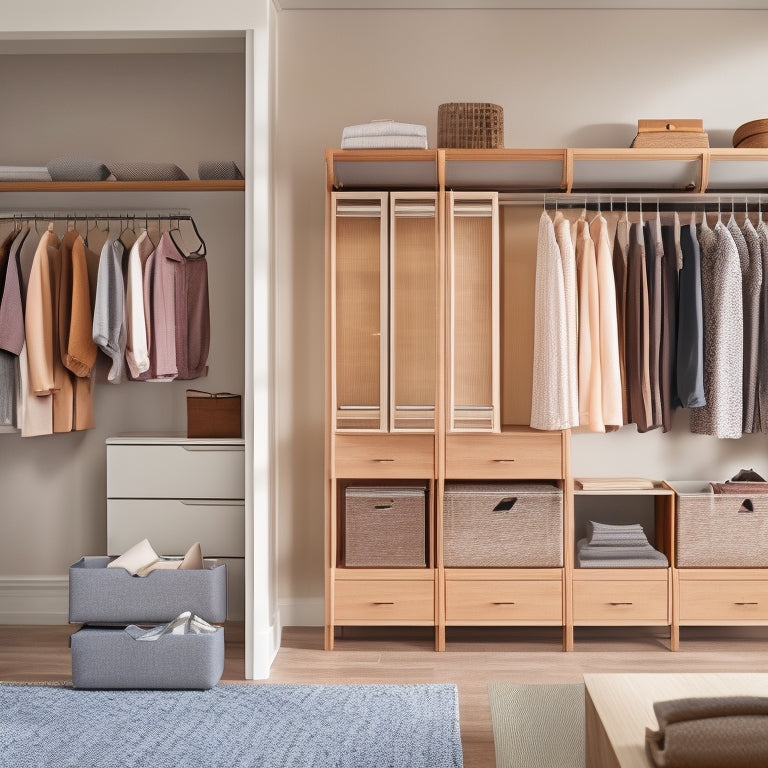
(472, 660)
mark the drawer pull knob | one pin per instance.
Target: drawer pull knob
(504, 602)
(754, 602)
(383, 602)
(384, 461)
(620, 603)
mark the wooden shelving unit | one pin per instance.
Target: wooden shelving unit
(480, 295)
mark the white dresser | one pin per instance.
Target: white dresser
(175, 491)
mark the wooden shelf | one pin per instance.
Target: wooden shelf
(189, 185)
(570, 170)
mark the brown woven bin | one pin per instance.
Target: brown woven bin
(470, 125)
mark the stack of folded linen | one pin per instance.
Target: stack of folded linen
(384, 134)
(617, 546)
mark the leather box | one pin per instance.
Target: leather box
(213, 414)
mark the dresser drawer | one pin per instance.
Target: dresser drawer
(375, 602)
(386, 456)
(190, 471)
(504, 456)
(503, 602)
(620, 602)
(172, 525)
(723, 602)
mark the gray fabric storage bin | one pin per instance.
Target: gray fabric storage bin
(113, 658)
(509, 525)
(385, 527)
(715, 530)
(101, 595)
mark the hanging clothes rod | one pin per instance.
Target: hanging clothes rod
(147, 215)
(709, 201)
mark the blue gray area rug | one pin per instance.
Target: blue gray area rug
(232, 726)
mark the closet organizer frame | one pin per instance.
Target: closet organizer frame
(530, 179)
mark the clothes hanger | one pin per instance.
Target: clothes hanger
(201, 248)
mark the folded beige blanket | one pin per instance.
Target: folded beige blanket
(710, 732)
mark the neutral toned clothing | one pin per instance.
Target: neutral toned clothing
(38, 319)
(723, 335)
(568, 260)
(762, 364)
(637, 372)
(109, 332)
(550, 404)
(590, 377)
(620, 249)
(610, 386)
(11, 304)
(654, 255)
(136, 343)
(751, 283)
(192, 318)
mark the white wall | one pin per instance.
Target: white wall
(564, 78)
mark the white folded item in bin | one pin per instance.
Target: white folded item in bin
(185, 623)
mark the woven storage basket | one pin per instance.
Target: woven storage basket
(470, 125)
(752, 134)
(653, 134)
(385, 527)
(511, 525)
(720, 530)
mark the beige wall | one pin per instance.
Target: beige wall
(564, 78)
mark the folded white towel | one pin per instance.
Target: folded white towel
(383, 128)
(385, 142)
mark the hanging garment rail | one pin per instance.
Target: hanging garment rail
(707, 201)
(132, 217)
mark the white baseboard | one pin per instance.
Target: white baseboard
(34, 599)
(302, 611)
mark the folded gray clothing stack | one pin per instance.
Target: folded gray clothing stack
(617, 546)
(384, 134)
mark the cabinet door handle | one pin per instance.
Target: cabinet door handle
(504, 602)
(504, 461)
(383, 602)
(212, 502)
(207, 447)
(620, 603)
(747, 603)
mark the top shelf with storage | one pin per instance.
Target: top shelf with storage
(569, 170)
(187, 185)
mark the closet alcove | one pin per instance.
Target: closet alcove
(152, 99)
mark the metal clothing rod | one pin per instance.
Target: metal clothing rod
(634, 200)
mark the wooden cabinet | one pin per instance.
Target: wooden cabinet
(722, 597)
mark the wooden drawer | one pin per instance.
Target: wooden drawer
(172, 525)
(367, 601)
(723, 602)
(188, 471)
(388, 455)
(607, 601)
(504, 456)
(503, 602)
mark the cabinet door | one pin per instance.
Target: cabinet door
(359, 298)
(413, 245)
(473, 312)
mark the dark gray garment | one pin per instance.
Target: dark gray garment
(689, 368)
(9, 388)
(653, 260)
(751, 282)
(667, 360)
